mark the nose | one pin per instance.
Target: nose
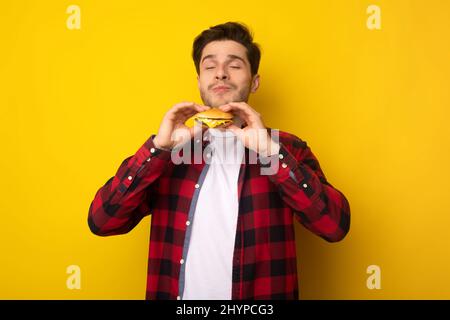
(221, 74)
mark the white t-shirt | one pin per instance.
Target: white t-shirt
(209, 261)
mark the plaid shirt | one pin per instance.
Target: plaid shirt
(264, 259)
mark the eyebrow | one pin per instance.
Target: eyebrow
(230, 56)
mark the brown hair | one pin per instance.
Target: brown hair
(228, 31)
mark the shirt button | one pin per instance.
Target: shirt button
(281, 156)
(197, 186)
(198, 140)
(152, 150)
(208, 155)
(130, 178)
(305, 185)
(284, 165)
(182, 261)
(188, 222)
(178, 298)
(148, 160)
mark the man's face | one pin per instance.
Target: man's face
(225, 74)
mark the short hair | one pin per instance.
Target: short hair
(228, 31)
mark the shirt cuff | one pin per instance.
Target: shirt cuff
(149, 151)
(149, 155)
(283, 166)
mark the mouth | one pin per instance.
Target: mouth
(221, 89)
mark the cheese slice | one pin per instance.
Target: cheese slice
(211, 123)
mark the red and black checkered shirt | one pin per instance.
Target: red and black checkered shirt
(264, 259)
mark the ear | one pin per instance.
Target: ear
(255, 83)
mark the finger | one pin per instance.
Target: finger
(230, 107)
(185, 113)
(244, 107)
(225, 108)
(201, 108)
(189, 110)
(236, 111)
(182, 105)
(195, 108)
(250, 115)
(178, 109)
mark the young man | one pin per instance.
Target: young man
(221, 229)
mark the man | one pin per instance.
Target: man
(221, 229)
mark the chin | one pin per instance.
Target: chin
(217, 103)
(221, 102)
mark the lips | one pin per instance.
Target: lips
(221, 89)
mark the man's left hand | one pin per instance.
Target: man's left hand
(254, 136)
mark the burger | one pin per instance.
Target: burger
(214, 117)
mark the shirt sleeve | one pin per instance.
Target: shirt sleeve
(128, 196)
(317, 205)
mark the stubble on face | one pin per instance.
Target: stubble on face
(211, 99)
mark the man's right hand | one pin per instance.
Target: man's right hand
(172, 130)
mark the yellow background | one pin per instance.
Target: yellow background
(372, 104)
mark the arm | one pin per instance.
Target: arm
(130, 195)
(317, 205)
(127, 197)
(303, 187)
